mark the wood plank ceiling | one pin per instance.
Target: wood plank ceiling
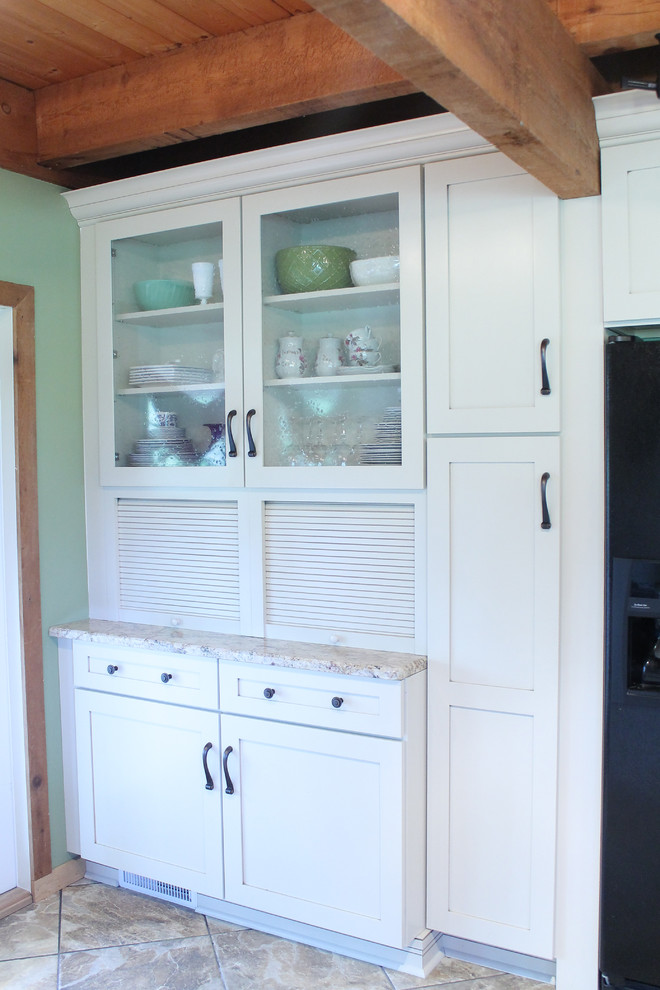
(89, 89)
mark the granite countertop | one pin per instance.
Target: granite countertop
(244, 649)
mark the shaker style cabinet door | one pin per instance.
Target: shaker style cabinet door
(631, 253)
(493, 683)
(144, 804)
(313, 825)
(333, 311)
(170, 347)
(492, 299)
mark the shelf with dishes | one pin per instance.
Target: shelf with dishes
(177, 316)
(335, 300)
(345, 376)
(157, 388)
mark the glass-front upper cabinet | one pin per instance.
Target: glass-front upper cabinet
(170, 357)
(333, 333)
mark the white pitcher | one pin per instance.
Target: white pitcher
(328, 357)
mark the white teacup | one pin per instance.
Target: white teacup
(164, 419)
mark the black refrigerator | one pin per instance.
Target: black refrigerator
(630, 871)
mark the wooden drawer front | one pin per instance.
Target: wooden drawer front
(193, 681)
(368, 705)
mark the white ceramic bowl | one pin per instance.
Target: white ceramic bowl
(375, 271)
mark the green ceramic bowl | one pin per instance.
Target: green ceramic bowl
(164, 293)
(312, 267)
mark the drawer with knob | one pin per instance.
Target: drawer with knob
(333, 701)
(176, 678)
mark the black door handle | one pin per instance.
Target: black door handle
(112, 668)
(230, 435)
(545, 381)
(229, 789)
(209, 778)
(252, 450)
(545, 515)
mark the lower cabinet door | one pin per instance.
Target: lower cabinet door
(314, 827)
(493, 682)
(144, 803)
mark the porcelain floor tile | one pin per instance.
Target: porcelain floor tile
(250, 959)
(217, 926)
(96, 916)
(38, 973)
(447, 971)
(178, 964)
(32, 931)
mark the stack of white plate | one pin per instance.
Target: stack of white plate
(386, 445)
(153, 375)
(163, 452)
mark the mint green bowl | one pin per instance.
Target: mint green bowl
(313, 267)
(164, 293)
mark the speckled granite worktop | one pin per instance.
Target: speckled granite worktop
(244, 649)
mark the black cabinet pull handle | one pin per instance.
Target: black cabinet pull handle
(337, 702)
(209, 778)
(165, 678)
(229, 789)
(112, 668)
(545, 381)
(230, 435)
(252, 450)
(269, 692)
(545, 523)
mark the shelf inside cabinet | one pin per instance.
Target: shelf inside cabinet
(336, 299)
(370, 379)
(181, 315)
(152, 389)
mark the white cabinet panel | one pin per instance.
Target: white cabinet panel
(490, 818)
(144, 804)
(492, 291)
(493, 670)
(631, 214)
(314, 829)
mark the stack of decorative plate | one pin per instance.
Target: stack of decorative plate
(163, 451)
(386, 445)
(159, 375)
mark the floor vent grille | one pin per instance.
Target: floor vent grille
(158, 888)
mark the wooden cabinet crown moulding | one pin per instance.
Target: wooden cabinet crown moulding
(384, 146)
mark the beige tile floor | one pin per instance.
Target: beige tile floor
(94, 937)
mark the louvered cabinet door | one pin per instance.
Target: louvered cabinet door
(178, 562)
(343, 573)
(144, 805)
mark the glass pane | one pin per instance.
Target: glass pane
(331, 334)
(168, 348)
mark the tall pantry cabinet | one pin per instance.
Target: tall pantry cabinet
(493, 503)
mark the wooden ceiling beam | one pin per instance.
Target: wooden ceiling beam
(609, 26)
(270, 73)
(506, 68)
(18, 137)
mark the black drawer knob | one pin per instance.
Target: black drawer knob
(269, 692)
(165, 678)
(337, 702)
(112, 668)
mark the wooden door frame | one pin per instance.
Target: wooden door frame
(20, 299)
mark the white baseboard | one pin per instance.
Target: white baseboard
(541, 970)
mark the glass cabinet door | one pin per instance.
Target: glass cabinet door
(333, 333)
(173, 346)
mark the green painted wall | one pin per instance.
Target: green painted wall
(39, 246)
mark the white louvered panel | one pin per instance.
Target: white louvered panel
(179, 556)
(341, 566)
